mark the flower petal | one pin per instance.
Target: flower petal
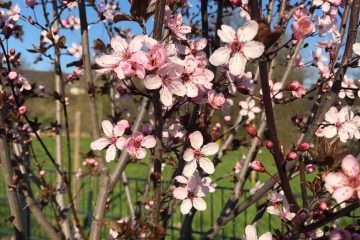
(189, 168)
(196, 139)
(250, 232)
(237, 64)
(152, 82)
(226, 33)
(107, 127)
(350, 166)
(188, 155)
(186, 206)
(199, 204)
(120, 143)
(148, 142)
(248, 31)
(110, 153)
(342, 194)
(253, 49)
(266, 236)
(180, 193)
(99, 144)
(220, 56)
(207, 165)
(210, 149)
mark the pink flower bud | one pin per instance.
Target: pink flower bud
(22, 110)
(310, 168)
(323, 206)
(291, 156)
(12, 51)
(227, 118)
(257, 166)
(251, 131)
(293, 86)
(303, 147)
(30, 3)
(269, 144)
(12, 75)
(42, 172)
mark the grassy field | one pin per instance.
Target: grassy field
(118, 206)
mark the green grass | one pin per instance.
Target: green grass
(118, 204)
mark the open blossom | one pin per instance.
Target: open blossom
(347, 82)
(216, 100)
(302, 27)
(174, 22)
(326, 4)
(138, 143)
(197, 154)
(75, 50)
(283, 212)
(345, 184)
(195, 48)
(14, 13)
(174, 133)
(113, 138)
(317, 56)
(71, 22)
(342, 123)
(326, 24)
(251, 234)
(169, 81)
(249, 109)
(192, 193)
(239, 47)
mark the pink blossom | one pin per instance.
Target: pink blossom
(215, 100)
(302, 27)
(275, 197)
(113, 138)
(284, 213)
(300, 12)
(197, 154)
(174, 22)
(347, 82)
(345, 184)
(78, 174)
(325, 25)
(14, 13)
(169, 81)
(249, 109)
(75, 50)
(71, 22)
(326, 4)
(356, 49)
(257, 166)
(138, 143)
(342, 123)
(317, 56)
(324, 70)
(90, 162)
(237, 167)
(174, 133)
(251, 234)
(297, 89)
(192, 194)
(239, 47)
(155, 57)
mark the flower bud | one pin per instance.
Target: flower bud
(303, 216)
(257, 166)
(12, 51)
(323, 206)
(269, 144)
(310, 168)
(291, 156)
(293, 86)
(22, 110)
(303, 147)
(251, 131)
(12, 75)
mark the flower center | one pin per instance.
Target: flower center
(191, 195)
(236, 46)
(197, 154)
(112, 140)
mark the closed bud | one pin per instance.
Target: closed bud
(303, 147)
(291, 156)
(323, 206)
(303, 216)
(257, 166)
(12, 51)
(269, 144)
(251, 131)
(22, 110)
